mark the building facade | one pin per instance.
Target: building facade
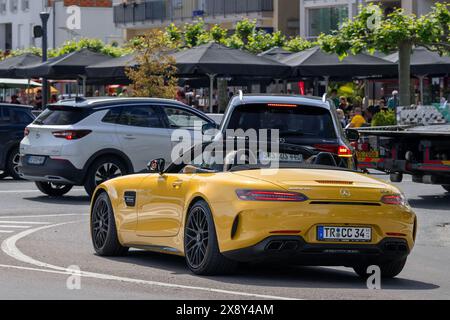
(324, 16)
(18, 18)
(135, 17)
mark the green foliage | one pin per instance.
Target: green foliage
(95, 45)
(195, 34)
(384, 118)
(218, 34)
(371, 30)
(298, 44)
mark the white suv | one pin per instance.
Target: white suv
(88, 141)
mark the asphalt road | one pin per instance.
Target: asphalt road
(42, 237)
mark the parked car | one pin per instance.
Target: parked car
(13, 120)
(88, 141)
(303, 122)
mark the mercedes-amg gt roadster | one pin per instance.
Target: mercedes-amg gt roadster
(220, 215)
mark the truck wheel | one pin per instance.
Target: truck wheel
(396, 177)
(53, 190)
(446, 187)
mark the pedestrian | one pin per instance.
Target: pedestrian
(343, 104)
(357, 120)
(341, 117)
(334, 97)
(54, 98)
(37, 103)
(393, 101)
(124, 92)
(15, 99)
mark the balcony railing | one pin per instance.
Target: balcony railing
(162, 10)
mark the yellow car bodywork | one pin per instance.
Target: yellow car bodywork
(335, 197)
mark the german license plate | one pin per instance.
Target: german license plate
(282, 157)
(344, 234)
(36, 160)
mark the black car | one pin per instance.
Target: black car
(308, 126)
(13, 120)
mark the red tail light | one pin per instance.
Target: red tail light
(262, 195)
(345, 152)
(71, 134)
(282, 105)
(395, 199)
(331, 148)
(26, 132)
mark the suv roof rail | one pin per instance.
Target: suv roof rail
(80, 99)
(324, 97)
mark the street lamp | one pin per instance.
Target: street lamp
(44, 19)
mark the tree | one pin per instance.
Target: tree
(371, 30)
(155, 76)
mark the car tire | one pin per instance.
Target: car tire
(12, 166)
(103, 169)
(202, 252)
(446, 187)
(103, 229)
(388, 270)
(52, 189)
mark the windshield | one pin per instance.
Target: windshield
(290, 120)
(60, 117)
(214, 157)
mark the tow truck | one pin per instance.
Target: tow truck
(420, 148)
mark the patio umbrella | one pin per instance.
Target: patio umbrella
(217, 59)
(9, 65)
(275, 53)
(17, 83)
(316, 63)
(111, 69)
(69, 66)
(424, 61)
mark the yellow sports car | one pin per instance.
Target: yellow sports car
(219, 215)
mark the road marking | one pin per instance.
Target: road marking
(22, 222)
(6, 231)
(46, 216)
(16, 227)
(9, 247)
(32, 191)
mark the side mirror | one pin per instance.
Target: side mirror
(157, 166)
(208, 127)
(352, 135)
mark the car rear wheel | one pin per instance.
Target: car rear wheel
(103, 228)
(388, 270)
(446, 187)
(53, 189)
(201, 248)
(102, 170)
(13, 164)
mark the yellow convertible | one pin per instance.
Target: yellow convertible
(217, 216)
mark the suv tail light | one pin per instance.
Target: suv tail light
(26, 132)
(263, 195)
(71, 134)
(345, 152)
(341, 151)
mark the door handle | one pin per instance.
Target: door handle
(177, 184)
(130, 137)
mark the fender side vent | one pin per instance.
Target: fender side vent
(235, 226)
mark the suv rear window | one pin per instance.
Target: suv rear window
(60, 116)
(295, 120)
